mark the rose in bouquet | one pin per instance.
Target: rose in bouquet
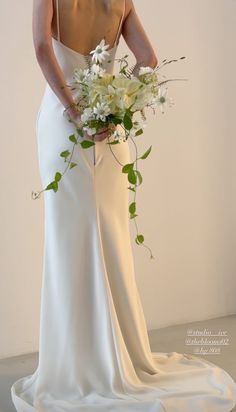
(107, 100)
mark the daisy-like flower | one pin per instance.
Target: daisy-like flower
(118, 133)
(145, 70)
(100, 53)
(90, 130)
(97, 70)
(80, 75)
(87, 114)
(139, 124)
(147, 75)
(101, 110)
(162, 100)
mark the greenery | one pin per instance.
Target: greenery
(137, 90)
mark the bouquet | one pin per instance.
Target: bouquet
(108, 100)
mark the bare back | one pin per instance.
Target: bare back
(81, 24)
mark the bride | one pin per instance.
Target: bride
(82, 25)
(94, 352)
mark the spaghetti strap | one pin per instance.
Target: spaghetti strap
(120, 25)
(58, 25)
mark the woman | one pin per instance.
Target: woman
(90, 19)
(94, 352)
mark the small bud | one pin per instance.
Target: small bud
(35, 195)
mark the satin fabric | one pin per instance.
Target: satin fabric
(94, 352)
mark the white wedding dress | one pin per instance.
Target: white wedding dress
(94, 352)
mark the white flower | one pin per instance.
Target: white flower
(101, 110)
(90, 130)
(116, 134)
(139, 124)
(97, 70)
(100, 53)
(80, 75)
(143, 98)
(147, 75)
(87, 114)
(162, 100)
(109, 98)
(145, 70)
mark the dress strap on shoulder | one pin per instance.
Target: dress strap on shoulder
(120, 25)
(58, 24)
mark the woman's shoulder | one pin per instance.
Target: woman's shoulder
(129, 6)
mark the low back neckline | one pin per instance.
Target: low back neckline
(58, 40)
(80, 54)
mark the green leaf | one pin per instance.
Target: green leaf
(80, 132)
(113, 119)
(133, 216)
(116, 120)
(113, 142)
(139, 239)
(73, 138)
(140, 131)
(87, 143)
(127, 121)
(126, 168)
(72, 164)
(139, 176)
(53, 185)
(132, 188)
(50, 186)
(57, 177)
(65, 154)
(146, 153)
(132, 207)
(132, 176)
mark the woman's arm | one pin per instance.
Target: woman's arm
(41, 26)
(137, 39)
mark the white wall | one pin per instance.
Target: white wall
(186, 203)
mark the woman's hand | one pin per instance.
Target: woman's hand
(104, 132)
(74, 115)
(101, 134)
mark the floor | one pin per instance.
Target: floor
(168, 339)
